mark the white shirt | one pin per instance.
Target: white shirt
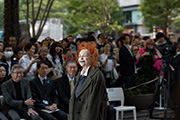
(41, 78)
(110, 64)
(25, 62)
(70, 78)
(86, 72)
(9, 67)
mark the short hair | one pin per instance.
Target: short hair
(123, 37)
(90, 33)
(159, 35)
(41, 62)
(71, 61)
(91, 38)
(42, 49)
(16, 66)
(28, 46)
(17, 50)
(33, 40)
(146, 37)
(7, 45)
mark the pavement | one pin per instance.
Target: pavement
(144, 115)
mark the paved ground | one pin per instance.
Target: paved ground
(144, 115)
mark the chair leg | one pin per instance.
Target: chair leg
(117, 115)
(122, 114)
(134, 114)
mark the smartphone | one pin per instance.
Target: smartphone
(74, 48)
(111, 55)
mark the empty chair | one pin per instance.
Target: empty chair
(117, 94)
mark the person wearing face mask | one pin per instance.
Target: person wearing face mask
(8, 59)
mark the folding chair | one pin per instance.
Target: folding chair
(117, 94)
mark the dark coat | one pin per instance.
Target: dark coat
(38, 93)
(91, 102)
(10, 97)
(64, 92)
(127, 61)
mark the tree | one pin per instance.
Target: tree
(35, 10)
(87, 15)
(1, 14)
(11, 19)
(160, 13)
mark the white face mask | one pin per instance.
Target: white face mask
(8, 54)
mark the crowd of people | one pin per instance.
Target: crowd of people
(41, 79)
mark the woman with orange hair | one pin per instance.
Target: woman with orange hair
(89, 99)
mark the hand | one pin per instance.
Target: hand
(29, 101)
(158, 53)
(35, 61)
(32, 112)
(52, 107)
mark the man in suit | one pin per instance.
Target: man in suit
(65, 85)
(127, 62)
(17, 96)
(43, 92)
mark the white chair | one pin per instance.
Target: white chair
(117, 94)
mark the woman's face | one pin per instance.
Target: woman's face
(85, 58)
(32, 50)
(2, 72)
(58, 49)
(107, 48)
(43, 53)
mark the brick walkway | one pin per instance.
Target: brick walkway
(144, 115)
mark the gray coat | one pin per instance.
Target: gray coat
(9, 95)
(91, 102)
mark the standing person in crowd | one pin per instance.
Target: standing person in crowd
(141, 44)
(8, 59)
(12, 41)
(2, 80)
(44, 94)
(147, 63)
(43, 52)
(28, 62)
(18, 53)
(127, 62)
(64, 44)
(1, 49)
(65, 85)
(89, 99)
(17, 96)
(23, 42)
(108, 62)
(56, 59)
(71, 53)
(101, 41)
(70, 38)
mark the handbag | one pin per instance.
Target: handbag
(114, 76)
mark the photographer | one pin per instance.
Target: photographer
(108, 62)
(148, 63)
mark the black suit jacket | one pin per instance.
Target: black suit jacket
(10, 98)
(127, 61)
(64, 92)
(39, 94)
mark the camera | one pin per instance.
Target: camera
(111, 55)
(166, 49)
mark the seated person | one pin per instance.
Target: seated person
(17, 96)
(43, 92)
(65, 85)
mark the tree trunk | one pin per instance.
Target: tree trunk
(11, 19)
(166, 29)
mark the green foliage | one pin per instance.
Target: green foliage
(159, 12)
(1, 14)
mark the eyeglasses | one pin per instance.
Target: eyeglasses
(71, 67)
(18, 73)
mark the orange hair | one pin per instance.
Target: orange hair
(91, 47)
